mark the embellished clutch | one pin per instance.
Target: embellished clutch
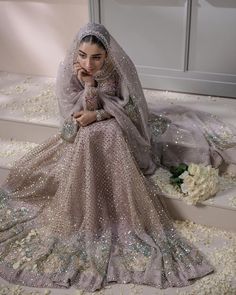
(69, 129)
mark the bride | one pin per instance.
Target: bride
(79, 209)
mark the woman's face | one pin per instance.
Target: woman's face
(91, 57)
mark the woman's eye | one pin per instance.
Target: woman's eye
(97, 57)
(82, 56)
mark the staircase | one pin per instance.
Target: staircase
(29, 115)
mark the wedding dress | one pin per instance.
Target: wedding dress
(85, 213)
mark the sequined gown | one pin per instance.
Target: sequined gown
(82, 214)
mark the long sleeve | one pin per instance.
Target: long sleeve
(90, 101)
(90, 98)
(103, 115)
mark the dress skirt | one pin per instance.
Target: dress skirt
(82, 214)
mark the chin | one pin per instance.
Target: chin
(94, 72)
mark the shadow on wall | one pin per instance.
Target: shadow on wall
(165, 3)
(176, 3)
(38, 33)
(224, 3)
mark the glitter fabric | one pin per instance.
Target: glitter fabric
(69, 129)
(184, 135)
(69, 92)
(83, 214)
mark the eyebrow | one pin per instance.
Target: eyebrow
(98, 54)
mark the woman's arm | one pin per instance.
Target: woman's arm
(92, 113)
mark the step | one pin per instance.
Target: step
(220, 213)
(223, 108)
(11, 150)
(28, 107)
(26, 131)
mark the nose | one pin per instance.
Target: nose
(89, 64)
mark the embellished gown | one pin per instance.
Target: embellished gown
(83, 214)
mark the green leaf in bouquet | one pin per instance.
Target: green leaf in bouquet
(178, 170)
(173, 170)
(181, 168)
(176, 180)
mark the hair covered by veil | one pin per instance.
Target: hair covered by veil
(138, 133)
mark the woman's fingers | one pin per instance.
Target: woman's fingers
(84, 77)
(84, 73)
(80, 121)
(77, 64)
(86, 118)
(82, 118)
(77, 67)
(78, 114)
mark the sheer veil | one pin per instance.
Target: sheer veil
(138, 132)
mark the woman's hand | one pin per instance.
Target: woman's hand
(83, 75)
(85, 117)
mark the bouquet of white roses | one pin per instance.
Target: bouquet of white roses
(196, 181)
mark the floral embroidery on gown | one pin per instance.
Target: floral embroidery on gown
(84, 214)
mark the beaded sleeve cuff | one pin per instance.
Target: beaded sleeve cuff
(102, 115)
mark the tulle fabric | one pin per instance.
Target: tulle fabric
(83, 214)
(184, 135)
(128, 89)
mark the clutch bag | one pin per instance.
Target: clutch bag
(69, 129)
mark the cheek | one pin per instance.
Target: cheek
(99, 64)
(81, 61)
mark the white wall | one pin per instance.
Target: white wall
(179, 45)
(35, 34)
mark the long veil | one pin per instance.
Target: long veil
(138, 132)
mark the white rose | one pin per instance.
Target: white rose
(184, 188)
(189, 182)
(204, 172)
(213, 188)
(214, 172)
(200, 180)
(193, 169)
(208, 168)
(199, 183)
(195, 193)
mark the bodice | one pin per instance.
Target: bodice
(109, 85)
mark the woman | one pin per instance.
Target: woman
(81, 212)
